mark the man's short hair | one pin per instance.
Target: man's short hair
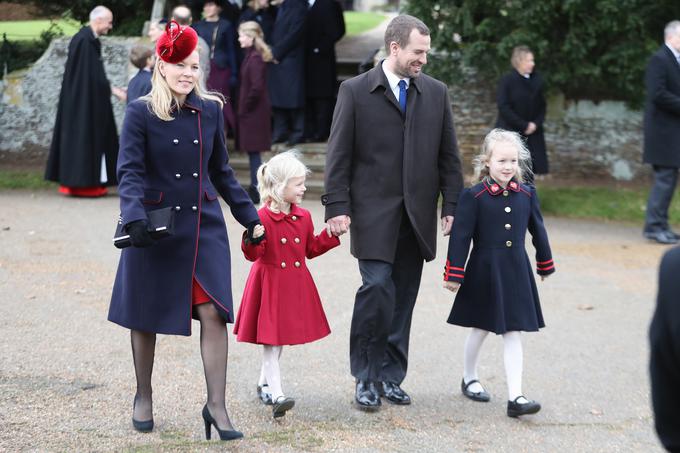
(139, 55)
(399, 30)
(518, 53)
(672, 28)
(182, 15)
(99, 11)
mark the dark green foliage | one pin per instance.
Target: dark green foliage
(587, 49)
(128, 15)
(21, 54)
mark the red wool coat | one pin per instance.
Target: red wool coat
(281, 305)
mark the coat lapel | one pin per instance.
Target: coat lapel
(378, 79)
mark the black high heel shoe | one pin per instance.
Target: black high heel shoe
(225, 434)
(141, 426)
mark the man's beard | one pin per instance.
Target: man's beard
(405, 71)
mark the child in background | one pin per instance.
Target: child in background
(254, 110)
(140, 85)
(497, 289)
(280, 304)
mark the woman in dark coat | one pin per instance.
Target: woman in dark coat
(220, 35)
(254, 110)
(259, 11)
(521, 106)
(173, 154)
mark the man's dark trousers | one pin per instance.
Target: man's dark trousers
(383, 308)
(665, 181)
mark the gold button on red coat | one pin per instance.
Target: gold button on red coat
(297, 240)
(283, 265)
(297, 264)
(284, 240)
(294, 217)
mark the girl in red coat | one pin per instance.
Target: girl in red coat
(280, 304)
(254, 111)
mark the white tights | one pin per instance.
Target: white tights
(512, 358)
(270, 373)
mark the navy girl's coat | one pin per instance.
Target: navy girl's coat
(184, 164)
(498, 291)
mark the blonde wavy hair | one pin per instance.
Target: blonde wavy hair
(162, 101)
(253, 30)
(481, 160)
(273, 176)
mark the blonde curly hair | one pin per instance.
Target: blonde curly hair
(481, 160)
(273, 176)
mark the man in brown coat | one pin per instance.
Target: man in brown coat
(391, 152)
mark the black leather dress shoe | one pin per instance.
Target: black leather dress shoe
(366, 396)
(482, 397)
(516, 409)
(662, 237)
(394, 393)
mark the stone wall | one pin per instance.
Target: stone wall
(584, 139)
(29, 99)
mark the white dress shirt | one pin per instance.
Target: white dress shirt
(393, 80)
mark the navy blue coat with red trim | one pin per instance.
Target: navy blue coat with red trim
(498, 291)
(183, 164)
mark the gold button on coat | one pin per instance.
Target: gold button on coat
(194, 208)
(177, 176)
(195, 175)
(508, 243)
(175, 141)
(297, 264)
(284, 240)
(506, 193)
(294, 217)
(177, 208)
(297, 240)
(508, 209)
(195, 142)
(508, 226)
(283, 265)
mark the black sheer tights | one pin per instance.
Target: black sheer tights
(143, 347)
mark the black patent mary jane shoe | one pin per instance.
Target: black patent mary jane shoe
(282, 405)
(366, 396)
(394, 394)
(225, 434)
(515, 409)
(265, 397)
(482, 397)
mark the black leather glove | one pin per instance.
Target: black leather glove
(249, 238)
(139, 235)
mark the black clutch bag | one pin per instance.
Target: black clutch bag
(161, 224)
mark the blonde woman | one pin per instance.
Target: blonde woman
(254, 110)
(173, 154)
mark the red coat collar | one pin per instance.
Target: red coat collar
(295, 210)
(494, 188)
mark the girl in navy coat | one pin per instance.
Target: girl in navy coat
(496, 289)
(173, 154)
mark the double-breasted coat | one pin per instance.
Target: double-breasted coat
(521, 100)
(254, 108)
(182, 164)
(381, 163)
(498, 291)
(662, 110)
(286, 79)
(281, 305)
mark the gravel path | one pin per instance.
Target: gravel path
(66, 376)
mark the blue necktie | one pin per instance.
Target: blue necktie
(402, 95)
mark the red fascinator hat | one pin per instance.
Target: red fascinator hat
(176, 43)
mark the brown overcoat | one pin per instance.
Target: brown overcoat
(381, 163)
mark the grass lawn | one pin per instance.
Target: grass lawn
(31, 29)
(356, 22)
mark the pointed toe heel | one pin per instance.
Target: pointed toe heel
(225, 434)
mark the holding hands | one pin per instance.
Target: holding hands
(338, 225)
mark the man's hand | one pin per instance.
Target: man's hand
(447, 224)
(452, 286)
(120, 93)
(531, 128)
(339, 225)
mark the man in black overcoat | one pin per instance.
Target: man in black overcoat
(286, 77)
(662, 133)
(84, 145)
(664, 363)
(391, 153)
(325, 27)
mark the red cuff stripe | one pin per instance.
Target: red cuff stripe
(544, 262)
(546, 268)
(455, 275)
(455, 268)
